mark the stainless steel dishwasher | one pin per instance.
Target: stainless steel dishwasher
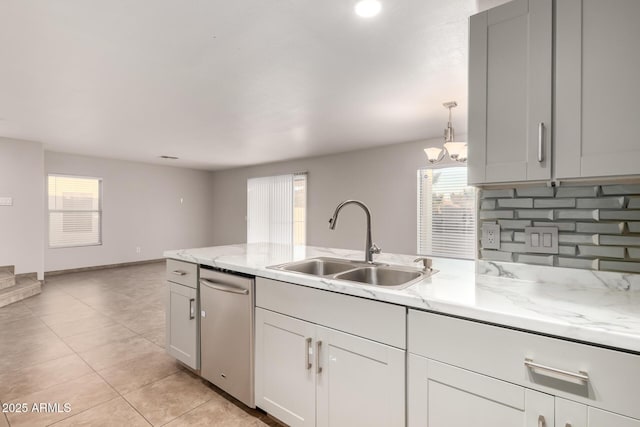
(226, 332)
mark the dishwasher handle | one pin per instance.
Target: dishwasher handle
(224, 288)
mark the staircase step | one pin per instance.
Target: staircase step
(11, 268)
(25, 287)
(7, 278)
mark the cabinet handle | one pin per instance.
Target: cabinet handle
(580, 375)
(567, 425)
(307, 350)
(540, 141)
(179, 272)
(224, 288)
(318, 367)
(541, 421)
(192, 310)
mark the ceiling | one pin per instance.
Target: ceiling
(221, 84)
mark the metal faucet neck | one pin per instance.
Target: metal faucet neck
(370, 248)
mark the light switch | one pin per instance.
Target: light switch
(541, 240)
(535, 240)
(6, 201)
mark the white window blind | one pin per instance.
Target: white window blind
(75, 211)
(276, 209)
(446, 213)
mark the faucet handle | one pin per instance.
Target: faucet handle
(374, 249)
(426, 262)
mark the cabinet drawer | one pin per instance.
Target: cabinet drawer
(377, 321)
(182, 272)
(613, 376)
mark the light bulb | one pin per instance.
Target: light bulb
(368, 8)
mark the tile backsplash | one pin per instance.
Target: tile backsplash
(599, 225)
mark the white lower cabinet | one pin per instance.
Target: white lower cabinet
(465, 373)
(285, 381)
(308, 374)
(360, 382)
(573, 414)
(181, 307)
(599, 418)
(442, 395)
(182, 334)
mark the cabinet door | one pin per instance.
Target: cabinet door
(599, 418)
(510, 69)
(442, 395)
(539, 409)
(573, 414)
(570, 414)
(597, 61)
(285, 369)
(182, 324)
(359, 382)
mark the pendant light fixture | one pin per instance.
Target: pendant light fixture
(454, 149)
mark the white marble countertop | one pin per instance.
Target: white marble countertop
(599, 308)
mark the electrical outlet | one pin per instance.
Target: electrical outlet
(138, 249)
(491, 236)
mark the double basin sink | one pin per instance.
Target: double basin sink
(383, 275)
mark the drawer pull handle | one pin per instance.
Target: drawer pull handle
(307, 350)
(541, 421)
(179, 272)
(222, 287)
(579, 376)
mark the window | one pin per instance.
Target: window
(446, 213)
(277, 209)
(75, 211)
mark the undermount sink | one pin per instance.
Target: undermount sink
(360, 272)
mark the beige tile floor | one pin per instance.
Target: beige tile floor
(95, 340)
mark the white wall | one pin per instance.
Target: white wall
(21, 226)
(141, 208)
(384, 178)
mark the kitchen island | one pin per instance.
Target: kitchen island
(599, 308)
(523, 344)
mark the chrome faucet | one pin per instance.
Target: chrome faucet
(370, 248)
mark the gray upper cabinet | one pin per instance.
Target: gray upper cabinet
(510, 92)
(597, 91)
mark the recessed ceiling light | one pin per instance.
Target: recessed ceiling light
(368, 8)
(168, 157)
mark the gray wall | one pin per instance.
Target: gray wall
(141, 208)
(21, 227)
(384, 178)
